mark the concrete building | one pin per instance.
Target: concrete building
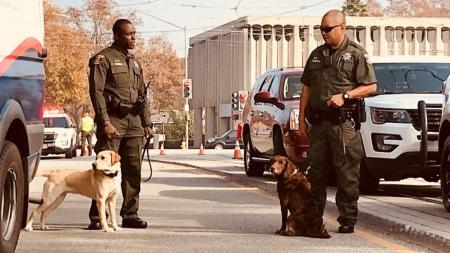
(230, 57)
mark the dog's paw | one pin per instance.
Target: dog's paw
(29, 228)
(285, 233)
(117, 228)
(278, 232)
(45, 227)
(108, 229)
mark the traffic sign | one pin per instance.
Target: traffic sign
(164, 117)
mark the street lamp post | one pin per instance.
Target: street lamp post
(186, 100)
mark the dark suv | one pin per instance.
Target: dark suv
(271, 120)
(226, 140)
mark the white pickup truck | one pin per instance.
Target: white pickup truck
(396, 143)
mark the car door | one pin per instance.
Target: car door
(256, 114)
(269, 111)
(230, 139)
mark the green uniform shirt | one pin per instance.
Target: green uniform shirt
(329, 72)
(116, 72)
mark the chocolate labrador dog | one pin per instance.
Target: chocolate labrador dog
(294, 192)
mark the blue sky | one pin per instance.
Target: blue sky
(201, 15)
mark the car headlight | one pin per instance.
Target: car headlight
(381, 116)
(209, 140)
(293, 120)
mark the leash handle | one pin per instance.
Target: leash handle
(147, 143)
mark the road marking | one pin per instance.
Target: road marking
(359, 233)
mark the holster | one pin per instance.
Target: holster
(116, 107)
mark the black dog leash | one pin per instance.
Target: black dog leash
(146, 146)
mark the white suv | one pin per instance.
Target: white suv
(396, 144)
(60, 135)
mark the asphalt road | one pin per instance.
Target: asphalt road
(191, 210)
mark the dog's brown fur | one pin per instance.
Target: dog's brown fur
(294, 192)
(94, 183)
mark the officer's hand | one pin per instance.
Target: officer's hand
(148, 132)
(111, 131)
(336, 101)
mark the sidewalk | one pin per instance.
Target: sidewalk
(404, 216)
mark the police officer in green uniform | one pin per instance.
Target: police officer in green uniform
(116, 87)
(336, 74)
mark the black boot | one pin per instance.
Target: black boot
(134, 222)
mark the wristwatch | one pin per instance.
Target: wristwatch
(346, 96)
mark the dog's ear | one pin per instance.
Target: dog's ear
(288, 167)
(114, 157)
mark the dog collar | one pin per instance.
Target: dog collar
(111, 175)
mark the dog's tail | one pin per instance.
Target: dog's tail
(44, 173)
(35, 200)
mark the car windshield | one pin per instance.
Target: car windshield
(231, 133)
(292, 87)
(55, 122)
(396, 78)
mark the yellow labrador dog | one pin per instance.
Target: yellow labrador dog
(98, 183)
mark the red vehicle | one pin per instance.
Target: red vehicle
(271, 120)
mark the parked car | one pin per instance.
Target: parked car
(226, 140)
(444, 147)
(22, 85)
(60, 134)
(270, 119)
(400, 133)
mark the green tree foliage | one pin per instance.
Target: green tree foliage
(354, 8)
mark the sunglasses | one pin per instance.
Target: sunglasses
(328, 29)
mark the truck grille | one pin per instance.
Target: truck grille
(434, 112)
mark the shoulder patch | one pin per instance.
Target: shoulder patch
(99, 59)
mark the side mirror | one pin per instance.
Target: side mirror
(265, 97)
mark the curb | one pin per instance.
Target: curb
(403, 231)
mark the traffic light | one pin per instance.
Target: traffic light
(235, 101)
(243, 94)
(187, 88)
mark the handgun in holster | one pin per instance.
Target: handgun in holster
(115, 106)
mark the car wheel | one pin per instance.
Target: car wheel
(445, 174)
(278, 145)
(252, 168)
(12, 196)
(68, 153)
(368, 184)
(218, 146)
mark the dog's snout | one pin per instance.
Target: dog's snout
(94, 165)
(272, 169)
